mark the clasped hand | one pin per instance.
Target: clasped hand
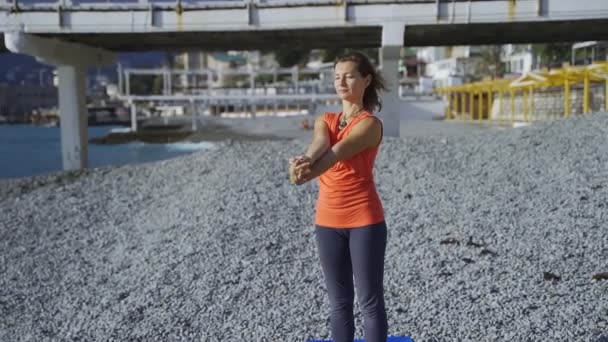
(299, 169)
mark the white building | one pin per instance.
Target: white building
(448, 66)
(518, 59)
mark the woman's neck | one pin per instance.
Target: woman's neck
(350, 109)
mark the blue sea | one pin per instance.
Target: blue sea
(27, 150)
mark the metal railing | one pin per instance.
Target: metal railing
(16, 5)
(281, 88)
(284, 90)
(258, 84)
(212, 80)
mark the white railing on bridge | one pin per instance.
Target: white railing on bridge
(234, 16)
(117, 4)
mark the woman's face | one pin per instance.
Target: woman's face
(349, 83)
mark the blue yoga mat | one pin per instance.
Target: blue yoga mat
(390, 339)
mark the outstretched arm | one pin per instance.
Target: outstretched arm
(367, 133)
(318, 146)
(320, 141)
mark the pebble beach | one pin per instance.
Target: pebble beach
(494, 235)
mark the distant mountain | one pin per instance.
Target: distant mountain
(18, 67)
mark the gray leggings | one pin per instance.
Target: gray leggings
(359, 252)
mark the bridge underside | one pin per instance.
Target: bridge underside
(352, 37)
(232, 40)
(507, 33)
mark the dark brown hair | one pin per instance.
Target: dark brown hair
(371, 98)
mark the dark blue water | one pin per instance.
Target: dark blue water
(27, 150)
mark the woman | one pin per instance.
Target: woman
(349, 223)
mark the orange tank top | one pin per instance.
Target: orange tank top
(347, 193)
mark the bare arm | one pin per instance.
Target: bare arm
(318, 146)
(320, 141)
(364, 135)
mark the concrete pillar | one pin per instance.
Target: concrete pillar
(73, 114)
(295, 77)
(312, 108)
(253, 104)
(133, 117)
(276, 106)
(127, 83)
(119, 78)
(194, 113)
(71, 69)
(169, 81)
(209, 74)
(390, 53)
(254, 110)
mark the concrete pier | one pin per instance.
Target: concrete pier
(392, 42)
(73, 114)
(72, 61)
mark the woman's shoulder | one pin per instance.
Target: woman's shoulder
(374, 118)
(371, 127)
(329, 117)
(369, 122)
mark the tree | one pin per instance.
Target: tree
(553, 55)
(157, 85)
(330, 55)
(290, 57)
(145, 84)
(491, 64)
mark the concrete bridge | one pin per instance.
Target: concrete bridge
(76, 35)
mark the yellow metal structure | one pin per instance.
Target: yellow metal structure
(461, 98)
